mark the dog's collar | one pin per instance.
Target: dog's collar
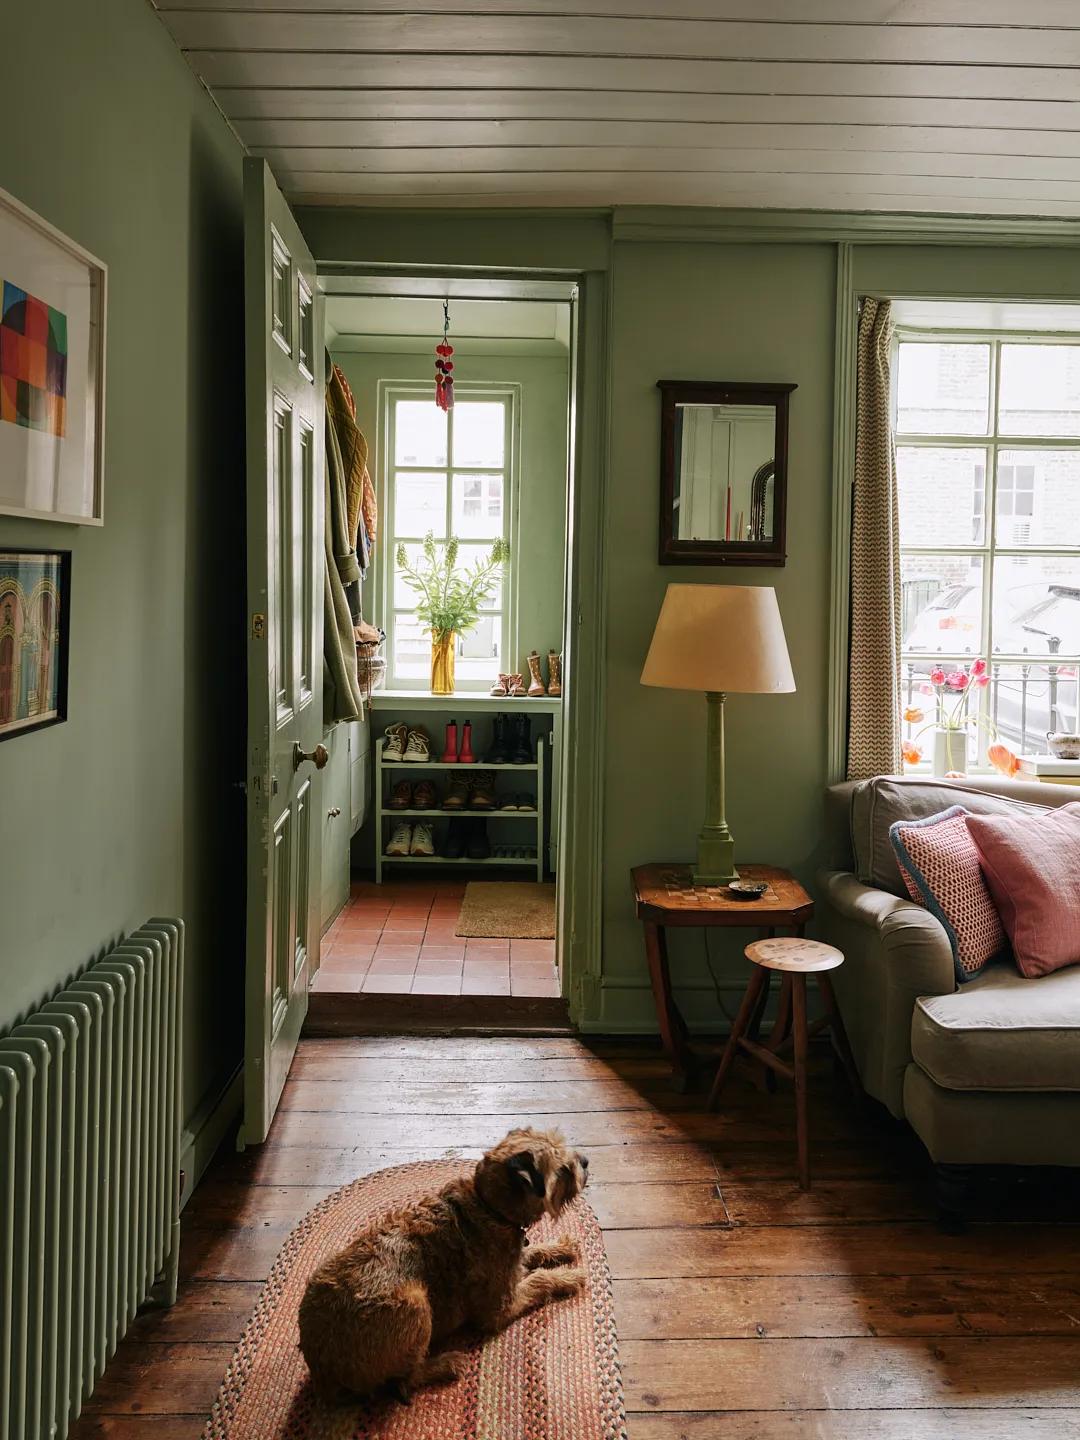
(499, 1217)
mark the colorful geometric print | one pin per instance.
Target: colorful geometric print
(33, 361)
(940, 865)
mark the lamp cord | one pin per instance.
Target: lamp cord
(715, 983)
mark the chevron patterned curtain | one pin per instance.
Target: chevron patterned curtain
(874, 669)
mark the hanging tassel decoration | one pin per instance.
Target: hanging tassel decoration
(444, 366)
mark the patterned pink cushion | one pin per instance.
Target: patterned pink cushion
(940, 865)
(1032, 866)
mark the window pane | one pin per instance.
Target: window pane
(412, 648)
(941, 604)
(482, 642)
(420, 504)
(1037, 605)
(1038, 497)
(942, 495)
(1040, 390)
(419, 433)
(478, 506)
(479, 432)
(943, 389)
(1028, 700)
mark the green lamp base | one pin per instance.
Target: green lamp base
(715, 860)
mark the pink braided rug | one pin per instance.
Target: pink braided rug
(553, 1375)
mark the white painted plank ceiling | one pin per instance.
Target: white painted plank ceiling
(928, 106)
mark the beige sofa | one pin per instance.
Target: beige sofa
(988, 1072)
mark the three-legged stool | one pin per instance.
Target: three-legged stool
(794, 959)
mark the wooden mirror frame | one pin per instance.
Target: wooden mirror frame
(674, 551)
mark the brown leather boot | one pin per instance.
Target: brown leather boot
(536, 683)
(554, 674)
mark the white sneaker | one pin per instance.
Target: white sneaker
(418, 747)
(422, 843)
(394, 749)
(402, 839)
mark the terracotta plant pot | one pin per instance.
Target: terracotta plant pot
(442, 663)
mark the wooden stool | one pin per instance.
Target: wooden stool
(795, 959)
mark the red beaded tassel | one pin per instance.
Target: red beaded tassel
(444, 366)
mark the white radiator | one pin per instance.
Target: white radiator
(89, 1176)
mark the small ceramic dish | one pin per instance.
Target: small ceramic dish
(748, 889)
(1062, 746)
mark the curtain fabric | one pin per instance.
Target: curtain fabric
(874, 667)
(345, 468)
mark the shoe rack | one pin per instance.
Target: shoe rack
(432, 711)
(388, 773)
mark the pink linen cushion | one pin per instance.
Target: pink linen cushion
(940, 864)
(1032, 866)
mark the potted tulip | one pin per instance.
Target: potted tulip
(953, 720)
(450, 598)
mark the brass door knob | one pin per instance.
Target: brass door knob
(318, 757)
(333, 812)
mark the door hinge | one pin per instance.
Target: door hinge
(258, 626)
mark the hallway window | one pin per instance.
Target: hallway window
(447, 474)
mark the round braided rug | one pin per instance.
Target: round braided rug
(552, 1375)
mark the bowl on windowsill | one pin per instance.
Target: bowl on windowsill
(1063, 746)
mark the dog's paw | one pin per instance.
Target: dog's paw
(444, 1369)
(565, 1283)
(566, 1250)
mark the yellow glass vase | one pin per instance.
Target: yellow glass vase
(442, 663)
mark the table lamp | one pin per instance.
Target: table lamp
(725, 640)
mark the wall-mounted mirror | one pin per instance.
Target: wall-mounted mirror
(723, 473)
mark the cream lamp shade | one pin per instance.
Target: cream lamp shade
(725, 640)
(720, 639)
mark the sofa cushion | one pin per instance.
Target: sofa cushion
(1002, 1032)
(939, 862)
(1032, 866)
(877, 804)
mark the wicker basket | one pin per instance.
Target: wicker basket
(370, 666)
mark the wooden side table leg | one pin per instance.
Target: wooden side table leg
(758, 979)
(798, 1008)
(839, 1034)
(672, 1028)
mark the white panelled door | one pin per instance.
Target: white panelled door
(285, 498)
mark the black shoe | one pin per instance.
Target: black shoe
(520, 740)
(477, 847)
(456, 838)
(496, 754)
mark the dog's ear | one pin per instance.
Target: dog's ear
(524, 1167)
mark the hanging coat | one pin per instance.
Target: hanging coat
(341, 693)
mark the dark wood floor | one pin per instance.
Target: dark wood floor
(746, 1309)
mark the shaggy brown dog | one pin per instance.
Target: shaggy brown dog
(413, 1278)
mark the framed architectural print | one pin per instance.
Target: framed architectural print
(52, 371)
(35, 621)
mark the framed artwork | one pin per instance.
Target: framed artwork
(35, 621)
(52, 371)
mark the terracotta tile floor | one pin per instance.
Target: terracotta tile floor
(399, 940)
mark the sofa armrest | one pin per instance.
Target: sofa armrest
(894, 951)
(908, 934)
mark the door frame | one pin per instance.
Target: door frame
(579, 922)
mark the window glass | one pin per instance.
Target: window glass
(941, 604)
(1040, 390)
(942, 389)
(479, 433)
(478, 506)
(942, 495)
(420, 432)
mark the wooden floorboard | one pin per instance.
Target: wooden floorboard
(746, 1308)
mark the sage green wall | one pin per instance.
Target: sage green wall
(541, 505)
(701, 312)
(126, 810)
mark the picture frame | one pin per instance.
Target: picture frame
(52, 371)
(35, 626)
